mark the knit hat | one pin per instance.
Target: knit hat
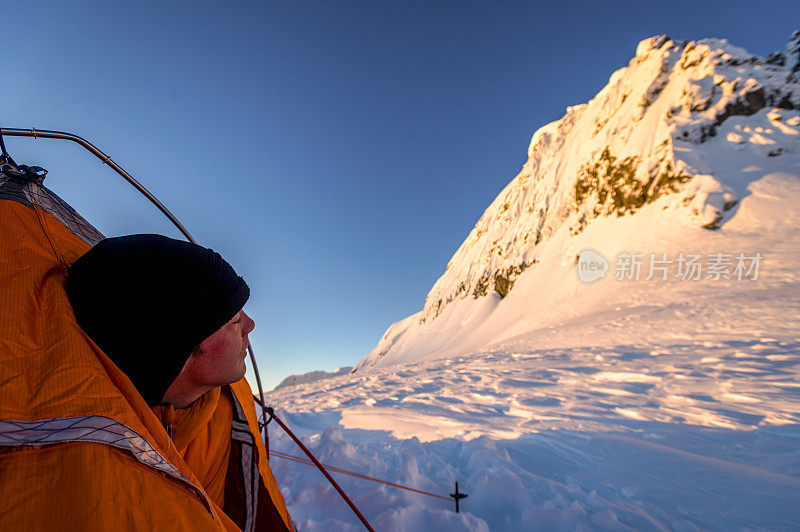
(147, 301)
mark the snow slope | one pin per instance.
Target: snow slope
(663, 400)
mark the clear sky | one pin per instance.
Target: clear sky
(336, 153)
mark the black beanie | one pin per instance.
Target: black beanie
(147, 301)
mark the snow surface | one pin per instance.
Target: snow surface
(667, 403)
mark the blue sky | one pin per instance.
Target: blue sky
(336, 153)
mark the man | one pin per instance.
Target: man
(169, 315)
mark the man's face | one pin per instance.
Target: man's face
(219, 359)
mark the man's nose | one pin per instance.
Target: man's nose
(249, 324)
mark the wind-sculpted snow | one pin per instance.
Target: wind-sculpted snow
(736, 384)
(687, 436)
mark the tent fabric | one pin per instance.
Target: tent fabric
(30, 194)
(118, 470)
(97, 429)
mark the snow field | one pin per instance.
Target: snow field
(559, 440)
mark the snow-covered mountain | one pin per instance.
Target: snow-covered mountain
(614, 346)
(675, 138)
(312, 376)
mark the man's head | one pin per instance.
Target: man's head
(217, 361)
(160, 307)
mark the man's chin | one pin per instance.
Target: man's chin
(237, 376)
(243, 372)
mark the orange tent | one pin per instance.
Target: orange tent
(79, 447)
